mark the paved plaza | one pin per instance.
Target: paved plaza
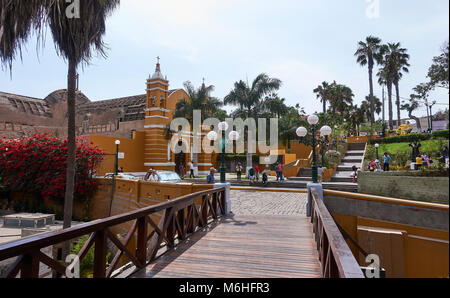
(249, 202)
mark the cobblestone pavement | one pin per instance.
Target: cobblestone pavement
(267, 203)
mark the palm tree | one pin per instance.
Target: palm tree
(385, 78)
(365, 106)
(368, 53)
(288, 125)
(322, 92)
(398, 57)
(356, 117)
(200, 99)
(248, 98)
(273, 106)
(75, 40)
(341, 98)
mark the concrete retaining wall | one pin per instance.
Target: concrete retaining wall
(405, 185)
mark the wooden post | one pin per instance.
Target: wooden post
(100, 255)
(30, 266)
(204, 211)
(141, 252)
(214, 204)
(190, 219)
(181, 221)
(170, 227)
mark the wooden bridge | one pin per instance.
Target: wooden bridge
(194, 239)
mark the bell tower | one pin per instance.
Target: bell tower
(157, 152)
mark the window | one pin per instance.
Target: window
(161, 101)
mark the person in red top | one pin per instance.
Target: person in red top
(257, 169)
(280, 171)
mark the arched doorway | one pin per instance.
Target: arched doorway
(180, 158)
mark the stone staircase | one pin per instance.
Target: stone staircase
(353, 157)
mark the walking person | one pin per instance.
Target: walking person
(280, 171)
(191, 168)
(239, 171)
(257, 169)
(387, 160)
(354, 173)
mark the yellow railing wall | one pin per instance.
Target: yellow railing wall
(404, 250)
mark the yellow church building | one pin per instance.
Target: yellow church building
(150, 144)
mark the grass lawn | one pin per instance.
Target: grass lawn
(401, 152)
(433, 147)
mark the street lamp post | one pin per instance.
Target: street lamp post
(302, 132)
(116, 164)
(325, 131)
(212, 136)
(376, 147)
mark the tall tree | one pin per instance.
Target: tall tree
(199, 99)
(385, 77)
(365, 106)
(410, 107)
(322, 93)
(438, 72)
(369, 52)
(76, 38)
(398, 59)
(273, 106)
(341, 98)
(248, 98)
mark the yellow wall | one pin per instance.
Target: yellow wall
(133, 149)
(405, 251)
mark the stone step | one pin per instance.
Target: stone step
(356, 146)
(348, 164)
(344, 168)
(357, 152)
(342, 179)
(303, 179)
(351, 158)
(342, 174)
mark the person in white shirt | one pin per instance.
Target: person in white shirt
(191, 168)
(154, 177)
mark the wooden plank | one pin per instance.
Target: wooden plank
(243, 247)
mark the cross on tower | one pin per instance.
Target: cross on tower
(158, 59)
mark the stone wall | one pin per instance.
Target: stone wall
(405, 185)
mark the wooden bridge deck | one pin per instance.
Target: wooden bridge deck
(243, 247)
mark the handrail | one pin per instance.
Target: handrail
(367, 197)
(181, 217)
(336, 258)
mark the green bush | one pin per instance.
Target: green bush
(400, 139)
(87, 264)
(440, 134)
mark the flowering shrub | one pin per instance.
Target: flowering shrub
(38, 165)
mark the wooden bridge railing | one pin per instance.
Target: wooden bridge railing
(180, 217)
(336, 258)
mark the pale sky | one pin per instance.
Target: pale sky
(300, 42)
